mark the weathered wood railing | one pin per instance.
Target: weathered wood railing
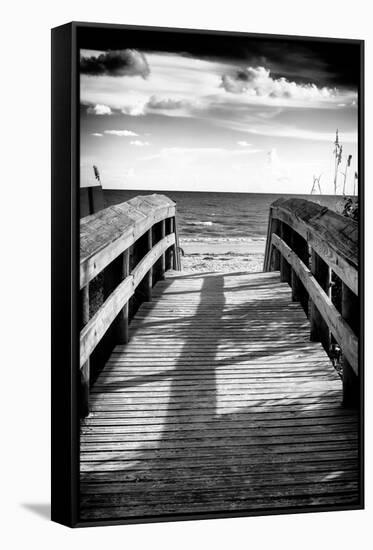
(316, 252)
(124, 250)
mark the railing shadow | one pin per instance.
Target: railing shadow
(215, 448)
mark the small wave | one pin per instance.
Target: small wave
(187, 239)
(199, 223)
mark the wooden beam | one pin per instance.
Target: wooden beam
(285, 269)
(351, 382)
(105, 235)
(85, 369)
(300, 247)
(94, 330)
(92, 333)
(149, 275)
(123, 314)
(177, 246)
(170, 255)
(276, 258)
(151, 257)
(272, 255)
(341, 267)
(334, 237)
(163, 257)
(319, 329)
(337, 325)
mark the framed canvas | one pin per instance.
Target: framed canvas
(207, 274)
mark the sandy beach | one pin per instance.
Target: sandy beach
(227, 255)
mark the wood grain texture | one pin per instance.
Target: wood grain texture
(335, 321)
(108, 233)
(334, 237)
(219, 402)
(94, 330)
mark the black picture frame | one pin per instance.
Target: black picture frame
(65, 272)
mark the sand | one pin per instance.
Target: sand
(210, 255)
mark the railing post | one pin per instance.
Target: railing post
(275, 254)
(319, 329)
(123, 315)
(285, 269)
(149, 275)
(85, 369)
(350, 312)
(170, 251)
(163, 257)
(300, 247)
(174, 250)
(177, 261)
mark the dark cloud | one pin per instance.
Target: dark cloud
(116, 63)
(327, 62)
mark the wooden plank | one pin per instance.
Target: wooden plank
(105, 235)
(123, 320)
(338, 326)
(351, 382)
(207, 409)
(85, 367)
(150, 258)
(319, 328)
(333, 501)
(332, 236)
(94, 330)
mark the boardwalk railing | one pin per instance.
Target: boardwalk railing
(124, 250)
(316, 252)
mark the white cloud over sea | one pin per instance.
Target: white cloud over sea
(210, 117)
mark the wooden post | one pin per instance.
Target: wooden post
(175, 265)
(300, 247)
(351, 384)
(285, 269)
(171, 249)
(275, 254)
(177, 246)
(319, 329)
(149, 275)
(123, 315)
(163, 257)
(85, 369)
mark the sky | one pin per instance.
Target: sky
(215, 114)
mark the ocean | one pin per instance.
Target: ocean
(220, 217)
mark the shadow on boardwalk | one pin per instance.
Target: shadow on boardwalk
(241, 412)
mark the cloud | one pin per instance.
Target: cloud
(136, 109)
(139, 143)
(121, 133)
(166, 103)
(167, 153)
(97, 134)
(243, 143)
(278, 169)
(116, 63)
(140, 107)
(99, 109)
(257, 81)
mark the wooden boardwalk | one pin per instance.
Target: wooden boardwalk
(219, 402)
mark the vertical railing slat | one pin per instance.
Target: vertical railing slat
(85, 369)
(123, 315)
(163, 258)
(351, 383)
(275, 260)
(319, 329)
(149, 275)
(285, 269)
